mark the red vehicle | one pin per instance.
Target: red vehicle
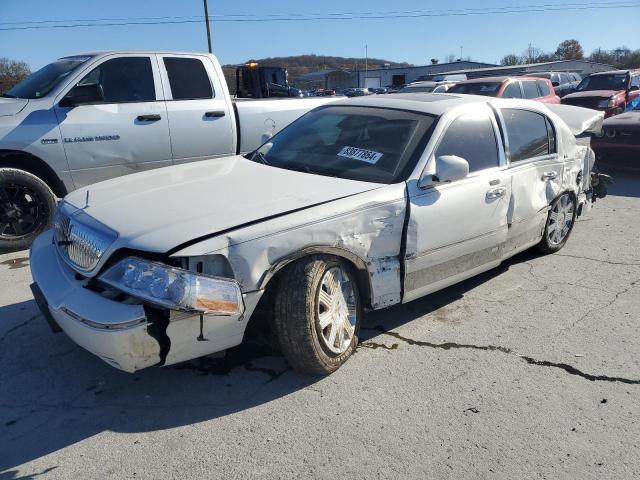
(532, 88)
(611, 92)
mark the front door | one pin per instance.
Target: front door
(124, 133)
(457, 229)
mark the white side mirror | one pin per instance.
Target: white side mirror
(449, 168)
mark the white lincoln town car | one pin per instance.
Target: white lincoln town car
(358, 205)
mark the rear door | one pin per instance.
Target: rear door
(200, 117)
(536, 172)
(457, 229)
(127, 131)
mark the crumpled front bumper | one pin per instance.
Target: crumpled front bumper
(123, 334)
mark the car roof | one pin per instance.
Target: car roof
(430, 103)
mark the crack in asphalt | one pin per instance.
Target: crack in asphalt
(599, 260)
(570, 369)
(608, 304)
(19, 326)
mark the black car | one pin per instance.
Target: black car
(619, 143)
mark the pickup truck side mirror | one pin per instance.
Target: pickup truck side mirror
(83, 95)
(449, 168)
(634, 88)
(555, 83)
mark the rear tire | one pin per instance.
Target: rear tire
(317, 314)
(560, 222)
(26, 208)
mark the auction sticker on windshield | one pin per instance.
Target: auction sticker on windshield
(360, 154)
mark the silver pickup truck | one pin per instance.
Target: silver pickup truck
(90, 117)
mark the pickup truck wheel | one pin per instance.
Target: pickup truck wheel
(560, 221)
(317, 314)
(26, 208)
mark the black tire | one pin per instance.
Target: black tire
(296, 315)
(549, 244)
(26, 208)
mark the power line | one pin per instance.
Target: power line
(244, 18)
(292, 16)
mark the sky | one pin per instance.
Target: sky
(485, 38)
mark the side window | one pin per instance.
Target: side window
(471, 137)
(543, 87)
(564, 78)
(125, 79)
(635, 82)
(528, 134)
(512, 91)
(188, 78)
(530, 89)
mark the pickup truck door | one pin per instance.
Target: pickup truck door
(199, 108)
(536, 171)
(458, 229)
(126, 132)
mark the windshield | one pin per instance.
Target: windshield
(489, 89)
(617, 81)
(40, 83)
(377, 145)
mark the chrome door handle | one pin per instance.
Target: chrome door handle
(549, 176)
(496, 193)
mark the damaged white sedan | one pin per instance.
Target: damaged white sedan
(358, 205)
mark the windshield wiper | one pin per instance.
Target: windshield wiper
(259, 156)
(6, 95)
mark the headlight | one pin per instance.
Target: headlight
(606, 103)
(610, 132)
(175, 288)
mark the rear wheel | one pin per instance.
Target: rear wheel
(26, 208)
(560, 221)
(317, 314)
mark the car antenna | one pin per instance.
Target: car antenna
(86, 201)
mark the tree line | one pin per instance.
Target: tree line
(621, 57)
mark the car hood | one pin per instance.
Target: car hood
(12, 106)
(592, 94)
(161, 209)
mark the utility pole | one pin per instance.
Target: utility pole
(366, 64)
(460, 52)
(206, 19)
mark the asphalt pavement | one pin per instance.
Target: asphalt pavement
(529, 371)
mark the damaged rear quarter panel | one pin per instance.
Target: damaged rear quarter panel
(366, 227)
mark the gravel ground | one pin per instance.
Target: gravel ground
(529, 371)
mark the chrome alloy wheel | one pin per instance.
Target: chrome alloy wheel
(560, 220)
(336, 314)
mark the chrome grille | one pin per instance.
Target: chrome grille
(81, 240)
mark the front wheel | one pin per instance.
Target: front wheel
(560, 221)
(26, 208)
(317, 314)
